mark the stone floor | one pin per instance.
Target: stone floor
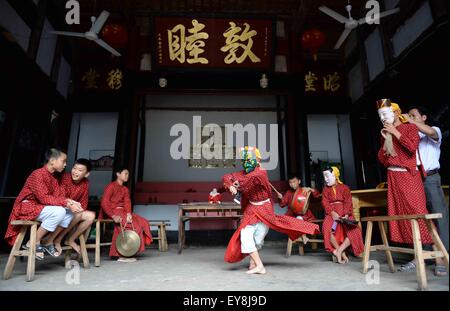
(203, 269)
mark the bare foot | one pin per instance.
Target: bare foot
(257, 270)
(58, 247)
(305, 239)
(338, 256)
(74, 246)
(252, 264)
(344, 257)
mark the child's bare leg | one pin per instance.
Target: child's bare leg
(86, 218)
(342, 248)
(58, 239)
(252, 264)
(259, 269)
(335, 244)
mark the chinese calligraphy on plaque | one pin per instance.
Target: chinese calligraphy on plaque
(209, 42)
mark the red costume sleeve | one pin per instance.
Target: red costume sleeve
(40, 188)
(107, 205)
(229, 179)
(85, 196)
(326, 202)
(348, 204)
(127, 200)
(285, 200)
(410, 139)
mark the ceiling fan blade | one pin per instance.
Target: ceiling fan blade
(382, 14)
(334, 14)
(342, 38)
(68, 33)
(99, 22)
(106, 46)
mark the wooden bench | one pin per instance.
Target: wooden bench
(420, 255)
(314, 240)
(163, 246)
(26, 225)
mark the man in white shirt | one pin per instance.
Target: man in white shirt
(430, 152)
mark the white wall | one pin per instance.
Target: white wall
(97, 132)
(10, 20)
(412, 29)
(46, 49)
(159, 165)
(323, 136)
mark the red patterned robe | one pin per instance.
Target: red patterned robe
(116, 202)
(406, 194)
(41, 189)
(341, 203)
(287, 199)
(255, 187)
(76, 191)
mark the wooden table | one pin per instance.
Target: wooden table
(374, 198)
(204, 211)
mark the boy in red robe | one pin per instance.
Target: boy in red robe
(286, 199)
(116, 204)
(338, 234)
(76, 187)
(399, 154)
(42, 199)
(258, 213)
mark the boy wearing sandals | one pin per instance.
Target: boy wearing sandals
(76, 187)
(42, 199)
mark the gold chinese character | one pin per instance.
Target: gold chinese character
(310, 80)
(179, 43)
(232, 44)
(115, 79)
(331, 82)
(90, 77)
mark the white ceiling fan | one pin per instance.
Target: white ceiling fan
(349, 22)
(92, 34)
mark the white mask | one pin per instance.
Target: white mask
(386, 115)
(330, 179)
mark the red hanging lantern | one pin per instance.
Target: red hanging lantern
(115, 34)
(313, 40)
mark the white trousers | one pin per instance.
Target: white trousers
(54, 216)
(252, 237)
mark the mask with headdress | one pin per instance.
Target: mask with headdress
(386, 111)
(250, 157)
(331, 175)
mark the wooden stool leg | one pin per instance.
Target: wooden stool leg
(418, 252)
(164, 238)
(367, 246)
(12, 255)
(386, 244)
(289, 248)
(314, 245)
(437, 240)
(31, 254)
(83, 250)
(159, 239)
(301, 249)
(97, 244)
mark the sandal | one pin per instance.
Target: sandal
(39, 249)
(440, 270)
(51, 250)
(409, 267)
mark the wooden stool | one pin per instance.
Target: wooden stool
(420, 255)
(163, 246)
(301, 248)
(17, 252)
(83, 249)
(98, 244)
